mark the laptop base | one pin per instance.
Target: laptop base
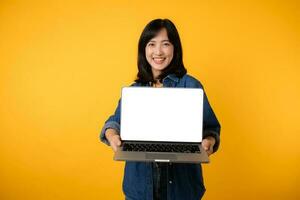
(162, 156)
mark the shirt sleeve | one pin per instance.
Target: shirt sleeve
(112, 122)
(211, 125)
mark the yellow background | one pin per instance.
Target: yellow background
(62, 64)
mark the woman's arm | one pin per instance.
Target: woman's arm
(211, 125)
(113, 138)
(113, 122)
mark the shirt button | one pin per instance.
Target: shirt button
(170, 182)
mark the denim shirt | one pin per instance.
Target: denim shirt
(185, 181)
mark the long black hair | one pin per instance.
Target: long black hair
(175, 67)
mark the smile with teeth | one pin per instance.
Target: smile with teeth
(159, 60)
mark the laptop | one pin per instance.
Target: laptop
(161, 125)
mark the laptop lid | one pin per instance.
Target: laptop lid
(162, 114)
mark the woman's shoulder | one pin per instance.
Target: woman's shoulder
(135, 84)
(190, 81)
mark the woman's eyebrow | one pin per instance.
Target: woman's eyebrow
(166, 40)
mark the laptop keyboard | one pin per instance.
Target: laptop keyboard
(176, 148)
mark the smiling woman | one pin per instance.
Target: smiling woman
(159, 52)
(62, 64)
(160, 65)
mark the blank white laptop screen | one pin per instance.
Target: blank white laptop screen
(162, 114)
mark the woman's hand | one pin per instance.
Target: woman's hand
(113, 138)
(208, 144)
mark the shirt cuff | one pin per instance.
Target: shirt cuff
(215, 135)
(107, 125)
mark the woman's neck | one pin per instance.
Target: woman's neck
(155, 74)
(157, 84)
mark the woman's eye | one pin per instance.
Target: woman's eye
(167, 44)
(150, 44)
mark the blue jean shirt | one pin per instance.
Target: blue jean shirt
(185, 181)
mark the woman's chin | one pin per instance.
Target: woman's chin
(158, 67)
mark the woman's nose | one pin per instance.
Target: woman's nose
(158, 50)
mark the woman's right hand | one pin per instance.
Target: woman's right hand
(113, 138)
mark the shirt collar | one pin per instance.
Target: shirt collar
(172, 77)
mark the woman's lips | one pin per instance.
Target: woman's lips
(158, 60)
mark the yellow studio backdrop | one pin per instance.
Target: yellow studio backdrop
(63, 63)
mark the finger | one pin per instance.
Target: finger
(205, 145)
(209, 152)
(115, 139)
(114, 148)
(118, 141)
(112, 144)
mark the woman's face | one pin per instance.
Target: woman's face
(159, 52)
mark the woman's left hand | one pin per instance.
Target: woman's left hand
(208, 144)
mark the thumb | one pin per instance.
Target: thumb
(205, 145)
(118, 142)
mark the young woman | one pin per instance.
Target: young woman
(160, 65)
